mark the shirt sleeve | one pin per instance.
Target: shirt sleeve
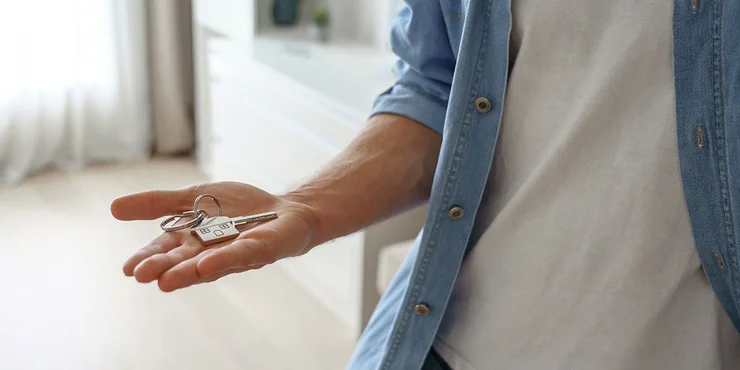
(425, 66)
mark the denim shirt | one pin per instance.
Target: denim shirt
(453, 68)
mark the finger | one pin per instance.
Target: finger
(174, 283)
(212, 278)
(162, 244)
(150, 205)
(186, 274)
(155, 266)
(241, 254)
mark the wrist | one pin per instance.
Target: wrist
(306, 208)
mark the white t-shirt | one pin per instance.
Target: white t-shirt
(586, 258)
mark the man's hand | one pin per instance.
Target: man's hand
(387, 169)
(178, 259)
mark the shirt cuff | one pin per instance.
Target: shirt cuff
(414, 103)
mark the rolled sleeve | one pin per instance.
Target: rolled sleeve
(425, 67)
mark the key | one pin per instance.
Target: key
(239, 221)
(215, 230)
(220, 228)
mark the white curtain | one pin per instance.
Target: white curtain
(73, 84)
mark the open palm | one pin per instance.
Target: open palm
(177, 259)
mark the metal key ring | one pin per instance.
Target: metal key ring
(198, 217)
(197, 200)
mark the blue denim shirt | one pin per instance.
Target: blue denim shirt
(453, 55)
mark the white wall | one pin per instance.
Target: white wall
(364, 21)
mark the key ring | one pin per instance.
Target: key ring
(197, 200)
(198, 215)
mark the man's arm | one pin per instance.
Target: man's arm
(387, 169)
(390, 167)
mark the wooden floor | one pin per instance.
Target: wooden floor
(65, 304)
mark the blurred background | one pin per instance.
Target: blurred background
(100, 98)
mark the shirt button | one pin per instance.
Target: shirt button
(700, 136)
(421, 309)
(455, 213)
(482, 105)
(719, 260)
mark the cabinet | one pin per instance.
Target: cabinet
(274, 106)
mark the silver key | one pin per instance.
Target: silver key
(239, 221)
(217, 229)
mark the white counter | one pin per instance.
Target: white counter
(349, 73)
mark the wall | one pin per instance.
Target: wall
(362, 21)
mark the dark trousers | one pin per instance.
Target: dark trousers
(435, 362)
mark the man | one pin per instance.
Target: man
(602, 234)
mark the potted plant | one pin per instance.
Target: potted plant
(321, 21)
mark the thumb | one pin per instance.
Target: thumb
(150, 205)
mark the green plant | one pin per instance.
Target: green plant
(321, 16)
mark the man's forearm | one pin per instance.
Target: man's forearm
(388, 168)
